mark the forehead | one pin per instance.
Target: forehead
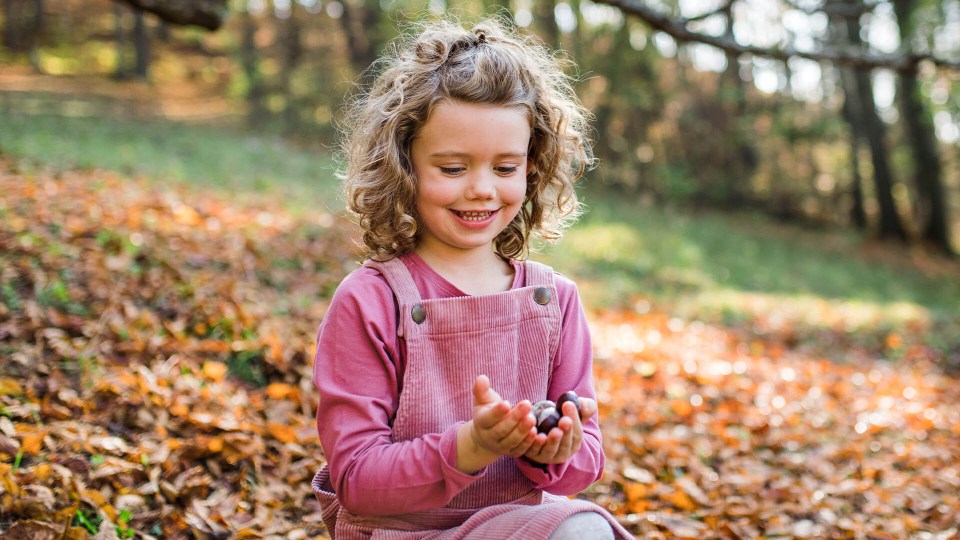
(455, 123)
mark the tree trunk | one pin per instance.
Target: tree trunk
(932, 211)
(38, 17)
(890, 225)
(546, 22)
(121, 70)
(360, 23)
(256, 92)
(858, 214)
(22, 27)
(141, 40)
(292, 52)
(732, 91)
(10, 24)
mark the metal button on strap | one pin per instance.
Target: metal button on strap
(541, 296)
(419, 314)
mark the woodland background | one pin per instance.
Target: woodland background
(768, 260)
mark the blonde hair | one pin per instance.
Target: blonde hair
(485, 65)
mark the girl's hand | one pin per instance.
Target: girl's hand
(496, 426)
(564, 440)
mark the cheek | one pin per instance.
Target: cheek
(434, 193)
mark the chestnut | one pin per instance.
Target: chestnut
(548, 421)
(572, 397)
(547, 414)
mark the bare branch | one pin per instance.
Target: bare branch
(845, 10)
(855, 57)
(208, 14)
(722, 10)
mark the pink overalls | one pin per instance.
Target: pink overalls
(510, 337)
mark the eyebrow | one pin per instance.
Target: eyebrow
(464, 154)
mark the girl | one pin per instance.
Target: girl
(467, 143)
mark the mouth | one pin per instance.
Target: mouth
(473, 216)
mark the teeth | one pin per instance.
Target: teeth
(474, 216)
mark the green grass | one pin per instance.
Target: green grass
(201, 156)
(737, 268)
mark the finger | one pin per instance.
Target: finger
(588, 408)
(514, 425)
(570, 411)
(525, 443)
(549, 451)
(490, 415)
(536, 447)
(565, 444)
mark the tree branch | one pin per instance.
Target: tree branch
(677, 28)
(722, 10)
(833, 9)
(208, 14)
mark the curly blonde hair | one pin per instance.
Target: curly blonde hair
(485, 65)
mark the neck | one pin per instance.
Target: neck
(474, 272)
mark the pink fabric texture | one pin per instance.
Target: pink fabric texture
(393, 392)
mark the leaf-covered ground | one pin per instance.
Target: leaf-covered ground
(155, 382)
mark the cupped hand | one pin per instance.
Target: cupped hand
(497, 426)
(563, 441)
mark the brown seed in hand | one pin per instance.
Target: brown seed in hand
(548, 421)
(572, 397)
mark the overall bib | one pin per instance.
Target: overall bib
(511, 337)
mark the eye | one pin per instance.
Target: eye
(505, 170)
(452, 171)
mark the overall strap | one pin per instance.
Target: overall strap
(538, 274)
(401, 282)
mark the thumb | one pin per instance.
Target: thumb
(482, 393)
(588, 408)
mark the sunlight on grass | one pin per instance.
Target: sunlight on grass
(245, 166)
(780, 310)
(740, 270)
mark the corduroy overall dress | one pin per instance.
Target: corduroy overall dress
(511, 337)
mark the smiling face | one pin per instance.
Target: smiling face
(470, 161)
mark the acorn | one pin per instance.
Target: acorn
(572, 397)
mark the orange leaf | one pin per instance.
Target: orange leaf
(282, 432)
(280, 391)
(216, 371)
(9, 386)
(30, 443)
(681, 500)
(215, 444)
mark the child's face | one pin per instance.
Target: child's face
(470, 161)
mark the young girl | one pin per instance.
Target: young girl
(467, 144)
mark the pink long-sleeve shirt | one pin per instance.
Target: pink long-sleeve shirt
(358, 371)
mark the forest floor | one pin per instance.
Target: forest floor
(156, 383)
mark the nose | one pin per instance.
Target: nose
(482, 186)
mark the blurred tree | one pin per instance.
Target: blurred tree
(546, 22)
(256, 91)
(361, 26)
(875, 130)
(208, 14)
(928, 176)
(23, 24)
(861, 110)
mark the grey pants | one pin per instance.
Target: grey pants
(582, 526)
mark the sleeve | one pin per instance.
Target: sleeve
(355, 372)
(572, 370)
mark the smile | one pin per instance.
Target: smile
(473, 216)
